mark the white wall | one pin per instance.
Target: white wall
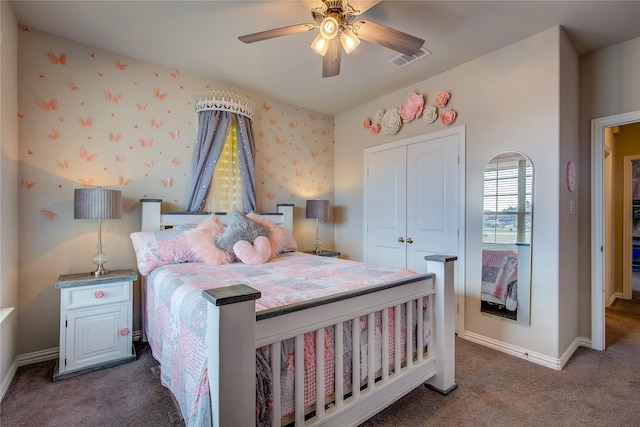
(8, 192)
(509, 100)
(609, 85)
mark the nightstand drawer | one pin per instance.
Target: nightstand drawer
(97, 294)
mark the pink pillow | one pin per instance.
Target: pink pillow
(156, 248)
(201, 242)
(280, 238)
(253, 254)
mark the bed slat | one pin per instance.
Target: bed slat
(275, 374)
(320, 373)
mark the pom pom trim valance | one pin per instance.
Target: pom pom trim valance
(224, 101)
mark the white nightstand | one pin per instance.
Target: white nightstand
(95, 322)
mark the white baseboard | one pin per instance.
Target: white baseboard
(532, 356)
(6, 381)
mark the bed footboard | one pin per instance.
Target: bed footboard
(235, 331)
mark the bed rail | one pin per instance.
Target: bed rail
(237, 329)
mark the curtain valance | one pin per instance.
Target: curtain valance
(224, 101)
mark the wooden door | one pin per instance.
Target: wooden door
(432, 200)
(385, 204)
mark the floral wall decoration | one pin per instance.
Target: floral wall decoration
(390, 121)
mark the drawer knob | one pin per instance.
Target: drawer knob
(124, 331)
(98, 294)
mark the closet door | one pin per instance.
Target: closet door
(432, 200)
(386, 199)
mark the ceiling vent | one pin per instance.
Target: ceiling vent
(402, 61)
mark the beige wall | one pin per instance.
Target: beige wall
(609, 85)
(122, 149)
(509, 100)
(8, 193)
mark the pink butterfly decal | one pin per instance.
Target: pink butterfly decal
(271, 195)
(114, 137)
(48, 106)
(146, 143)
(285, 179)
(54, 135)
(269, 159)
(155, 124)
(273, 121)
(86, 182)
(166, 182)
(294, 162)
(280, 141)
(325, 132)
(120, 65)
(112, 98)
(49, 215)
(299, 173)
(293, 124)
(142, 107)
(325, 149)
(84, 155)
(85, 122)
(73, 86)
(149, 164)
(27, 184)
(313, 117)
(158, 94)
(175, 134)
(63, 164)
(314, 154)
(174, 73)
(265, 106)
(124, 181)
(120, 159)
(58, 60)
(176, 162)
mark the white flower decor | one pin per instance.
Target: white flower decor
(430, 113)
(377, 118)
(391, 122)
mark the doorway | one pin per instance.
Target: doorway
(599, 247)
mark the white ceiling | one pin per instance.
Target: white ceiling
(201, 38)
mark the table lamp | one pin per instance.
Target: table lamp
(97, 203)
(317, 209)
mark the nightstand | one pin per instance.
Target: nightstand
(325, 253)
(95, 322)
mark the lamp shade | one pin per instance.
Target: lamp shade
(97, 203)
(318, 209)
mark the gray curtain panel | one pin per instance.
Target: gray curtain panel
(213, 129)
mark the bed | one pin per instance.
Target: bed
(229, 337)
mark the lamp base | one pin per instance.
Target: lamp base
(100, 271)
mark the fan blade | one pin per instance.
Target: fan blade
(358, 7)
(331, 60)
(387, 37)
(278, 32)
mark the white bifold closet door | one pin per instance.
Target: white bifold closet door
(411, 202)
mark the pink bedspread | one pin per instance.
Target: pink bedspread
(176, 313)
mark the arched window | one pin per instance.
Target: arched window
(223, 176)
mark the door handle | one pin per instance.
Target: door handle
(401, 239)
(409, 240)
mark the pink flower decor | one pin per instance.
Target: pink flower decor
(366, 123)
(411, 107)
(374, 129)
(442, 98)
(448, 116)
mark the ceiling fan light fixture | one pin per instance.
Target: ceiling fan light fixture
(320, 45)
(349, 40)
(329, 27)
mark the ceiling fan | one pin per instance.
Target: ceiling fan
(339, 24)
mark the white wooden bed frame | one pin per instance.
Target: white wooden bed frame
(235, 331)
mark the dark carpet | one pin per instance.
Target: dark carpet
(594, 389)
(125, 395)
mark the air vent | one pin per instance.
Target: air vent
(402, 61)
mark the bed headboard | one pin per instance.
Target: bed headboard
(153, 219)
